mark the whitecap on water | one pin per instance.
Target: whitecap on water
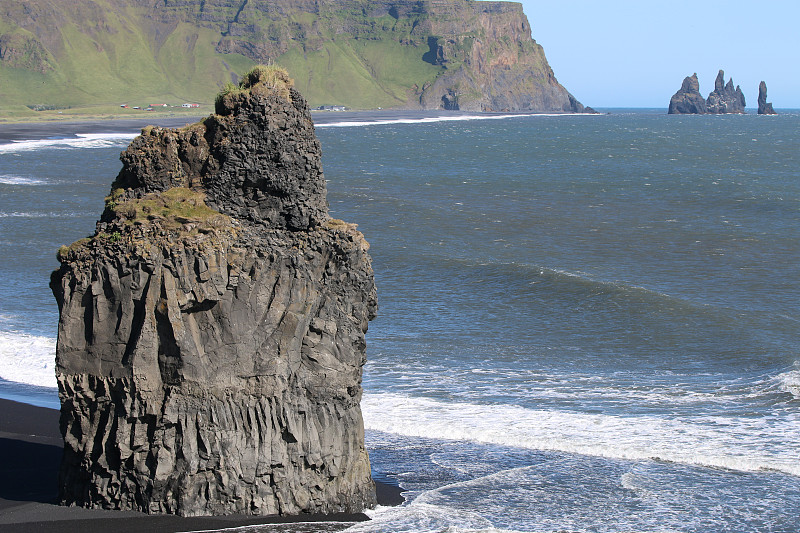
(790, 382)
(39, 214)
(82, 140)
(730, 442)
(28, 359)
(447, 118)
(19, 180)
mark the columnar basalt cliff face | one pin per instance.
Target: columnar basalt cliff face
(212, 332)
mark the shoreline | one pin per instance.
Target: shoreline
(31, 446)
(38, 130)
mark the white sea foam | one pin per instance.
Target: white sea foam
(19, 180)
(82, 140)
(422, 517)
(737, 443)
(39, 214)
(448, 118)
(790, 382)
(27, 359)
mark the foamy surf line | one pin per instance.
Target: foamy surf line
(429, 120)
(747, 445)
(81, 140)
(28, 359)
(6, 179)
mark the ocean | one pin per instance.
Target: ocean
(586, 323)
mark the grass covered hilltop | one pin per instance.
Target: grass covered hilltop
(93, 56)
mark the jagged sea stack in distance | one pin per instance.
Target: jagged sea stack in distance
(688, 99)
(212, 332)
(724, 98)
(764, 107)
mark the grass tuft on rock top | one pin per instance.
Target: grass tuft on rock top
(261, 80)
(179, 210)
(172, 208)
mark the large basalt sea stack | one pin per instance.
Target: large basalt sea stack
(688, 100)
(211, 333)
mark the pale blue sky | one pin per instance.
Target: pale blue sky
(629, 53)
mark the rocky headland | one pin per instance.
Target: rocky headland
(764, 107)
(723, 99)
(364, 54)
(212, 331)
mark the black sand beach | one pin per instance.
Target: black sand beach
(43, 130)
(30, 448)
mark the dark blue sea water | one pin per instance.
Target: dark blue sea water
(587, 323)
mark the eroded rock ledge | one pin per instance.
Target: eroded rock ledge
(212, 332)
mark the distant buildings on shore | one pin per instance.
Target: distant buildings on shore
(151, 107)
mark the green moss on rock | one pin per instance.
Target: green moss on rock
(172, 209)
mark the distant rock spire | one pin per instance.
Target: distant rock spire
(764, 107)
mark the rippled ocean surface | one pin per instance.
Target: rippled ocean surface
(586, 323)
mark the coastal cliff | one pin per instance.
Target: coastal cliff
(212, 332)
(418, 54)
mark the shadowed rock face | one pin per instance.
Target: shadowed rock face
(688, 99)
(764, 107)
(211, 333)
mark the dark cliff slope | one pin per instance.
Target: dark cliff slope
(454, 54)
(211, 333)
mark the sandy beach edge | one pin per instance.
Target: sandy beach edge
(31, 131)
(30, 447)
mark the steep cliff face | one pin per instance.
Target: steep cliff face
(212, 332)
(491, 62)
(480, 55)
(451, 54)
